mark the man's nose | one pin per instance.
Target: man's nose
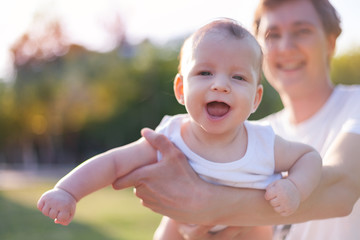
(287, 43)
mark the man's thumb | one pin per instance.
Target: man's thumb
(129, 180)
(156, 140)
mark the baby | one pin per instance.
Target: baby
(219, 84)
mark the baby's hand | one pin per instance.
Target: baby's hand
(58, 204)
(284, 197)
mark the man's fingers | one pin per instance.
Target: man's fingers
(232, 232)
(192, 232)
(189, 231)
(129, 180)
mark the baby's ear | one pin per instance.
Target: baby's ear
(258, 97)
(179, 88)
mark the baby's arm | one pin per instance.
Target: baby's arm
(94, 174)
(303, 164)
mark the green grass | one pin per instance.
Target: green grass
(104, 215)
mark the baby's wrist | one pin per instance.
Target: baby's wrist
(66, 192)
(297, 189)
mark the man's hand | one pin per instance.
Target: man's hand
(169, 187)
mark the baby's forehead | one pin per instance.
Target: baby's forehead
(217, 36)
(224, 31)
(224, 38)
(220, 32)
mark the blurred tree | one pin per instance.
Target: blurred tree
(270, 102)
(152, 69)
(58, 88)
(67, 103)
(345, 68)
(33, 94)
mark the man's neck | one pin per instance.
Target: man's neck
(303, 107)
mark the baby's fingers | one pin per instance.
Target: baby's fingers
(63, 218)
(40, 204)
(282, 209)
(283, 212)
(53, 213)
(49, 211)
(45, 209)
(275, 202)
(270, 192)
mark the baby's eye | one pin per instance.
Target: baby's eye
(205, 73)
(239, 78)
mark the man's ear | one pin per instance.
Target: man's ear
(258, 97)
(331, 46)
(179, 88)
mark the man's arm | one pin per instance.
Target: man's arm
(335, 196)
(180, 194)
(339, 187)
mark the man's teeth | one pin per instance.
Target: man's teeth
(291, 66)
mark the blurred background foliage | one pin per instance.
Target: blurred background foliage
(67, 103)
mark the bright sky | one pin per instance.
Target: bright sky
(159, 20)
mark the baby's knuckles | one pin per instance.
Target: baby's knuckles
(58, 205)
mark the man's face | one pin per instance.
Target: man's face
(296, 48)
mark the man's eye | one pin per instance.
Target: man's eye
(204, 73)
(272, 35)
(302, 31)
(239, 78)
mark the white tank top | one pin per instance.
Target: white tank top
(254, 170)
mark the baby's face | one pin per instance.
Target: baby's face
(220, 81)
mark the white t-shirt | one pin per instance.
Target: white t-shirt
(254, 170)
(340, 114)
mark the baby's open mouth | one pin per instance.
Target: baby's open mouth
(217, 109)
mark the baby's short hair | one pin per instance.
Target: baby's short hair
(225, 26)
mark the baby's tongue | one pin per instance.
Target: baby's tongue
(217, 109)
